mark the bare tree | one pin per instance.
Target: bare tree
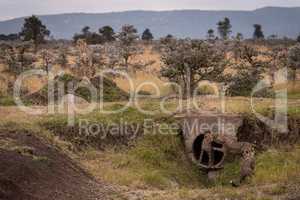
(14, 57)
(62, 58)
(47, 60)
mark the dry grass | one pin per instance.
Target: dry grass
(156, 166)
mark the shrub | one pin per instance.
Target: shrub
(205, 90)
(7, 101)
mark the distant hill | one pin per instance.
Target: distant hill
(181, 23)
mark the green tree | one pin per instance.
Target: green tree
(298, 38)
(127, 38)
(147, 35)
(167, 39)
(249, 71)
(107, 33)
(224, 28)
(86, 30)
(34, 29)
(210, 34)
(9, 37)
(258, 33)
(273, 37)
(187, 62)
(239, 36)
(88, 36)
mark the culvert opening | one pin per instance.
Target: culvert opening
(197, 146)
(203, 157)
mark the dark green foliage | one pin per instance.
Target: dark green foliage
(107, 33)
(128, 35)
(243, 84)
(86, 30)
(224, 28)
(77, 37)
(211, 34)
(94, 38)
(249, 73)
(206, 90)
(9, 37)
(7, 101)
(111, 92)
(90, 37)
(127, 38)
(239, 36)
(81, 139)
(273, 37)
(258, 33)
(167, 40)
(144, 93)
(147, 35)
(298, 38)
(34, 29)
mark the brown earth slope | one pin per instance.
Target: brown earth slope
(30, 169)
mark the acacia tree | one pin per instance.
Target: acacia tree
(258, 33)
(33, 29)
(210, 34)
(147, 35)
(249, 71)
(127, 39)
(187, 62)
(224, 28)
(86, 31)
(107, 33)
(89, 36)
(239, 37)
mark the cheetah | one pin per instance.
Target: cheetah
(247, 164)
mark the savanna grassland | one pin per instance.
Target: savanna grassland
(43, 157)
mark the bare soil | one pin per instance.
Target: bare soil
(34, 170)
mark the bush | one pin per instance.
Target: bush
(111, 92)
(7, 101)
(205, 90)
(144, 93)
(243, 85)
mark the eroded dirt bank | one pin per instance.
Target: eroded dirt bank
(31, 169)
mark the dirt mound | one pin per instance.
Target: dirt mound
(111, 92)
(255, 131)
(30, 169)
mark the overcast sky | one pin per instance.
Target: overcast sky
(18, 8)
